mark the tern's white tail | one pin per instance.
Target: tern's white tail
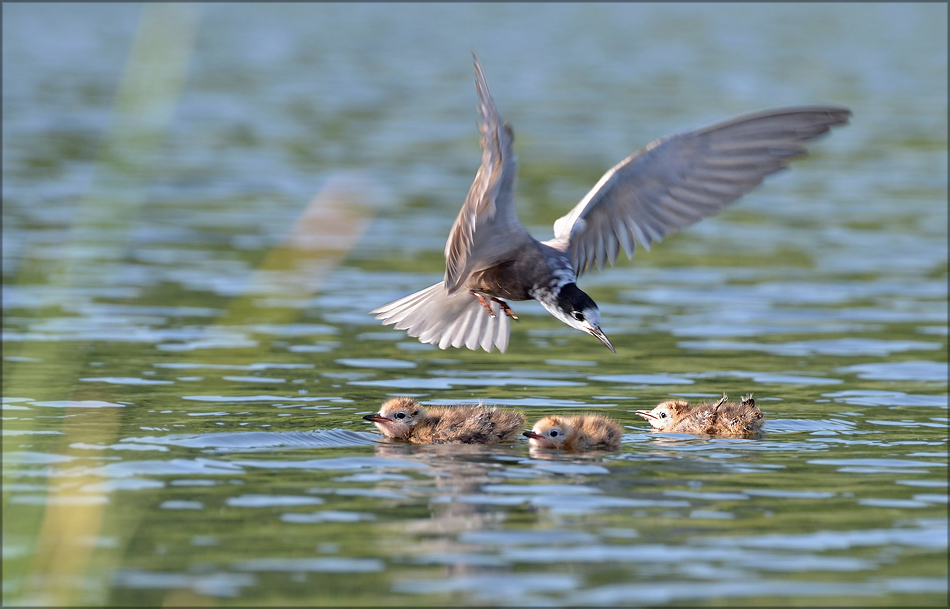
(457, 320)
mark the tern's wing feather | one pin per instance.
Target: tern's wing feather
(487, 228)
(458, 320)
(676, 181)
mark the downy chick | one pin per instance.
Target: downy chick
(575, 433)
(404, 418)
(720, 418)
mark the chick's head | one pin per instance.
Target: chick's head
(665, 414)
(550, 432)
(397, 417)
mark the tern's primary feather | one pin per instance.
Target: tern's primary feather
(457, 320)
(487, 229)
(676, 181)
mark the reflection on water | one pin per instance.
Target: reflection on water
(194, 228)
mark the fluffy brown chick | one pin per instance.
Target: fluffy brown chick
(405, 419)
(575, 433)
(719, 418)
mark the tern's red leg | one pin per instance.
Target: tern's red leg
(485, 304)
(506, 308)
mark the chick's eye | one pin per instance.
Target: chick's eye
(578, 315)
(662, 415)
(400, 415)
(553, 433)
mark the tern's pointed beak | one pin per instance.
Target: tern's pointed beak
(596, 331)
(646, 414)
(531, 434)
(376, 418)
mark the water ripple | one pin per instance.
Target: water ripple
(873, 397)
(126, 469)
(932, 536)
(252, 367)
(327, 516)
(587, 504)
(875, 466)
(78, 404)
(685, 590)
(341, 463)
(124, 380)
(655, 553)
(208, 584)
(261, 398)
(499, 587)
(376, 363)
(311, 565)
(541, 489)
(643, 379)
(545, 538)
(253, 379)
(451, 383)
(262, 440)
(899, 371)
(257, 501)
(850, 346)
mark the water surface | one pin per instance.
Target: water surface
(201, 203)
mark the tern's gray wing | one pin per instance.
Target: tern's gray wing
(676, 181)
(487, 229)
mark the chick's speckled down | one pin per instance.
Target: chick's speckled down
(405, 419)
(576, 433)
(721, 418)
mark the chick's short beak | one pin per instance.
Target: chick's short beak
(376, 418)
(646, 414)
(596, 331)
(531, 434)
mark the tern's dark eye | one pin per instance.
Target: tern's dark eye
(662, 415)
(578, 315)
(553, 433)
(400, 415)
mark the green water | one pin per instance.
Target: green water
(201, 203)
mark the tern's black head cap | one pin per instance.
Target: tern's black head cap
(572, 298)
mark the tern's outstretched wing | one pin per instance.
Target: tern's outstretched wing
(487, 229)
(673, 182)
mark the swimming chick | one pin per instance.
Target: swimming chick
(405, 419)
(720, 418)
(575, 433)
